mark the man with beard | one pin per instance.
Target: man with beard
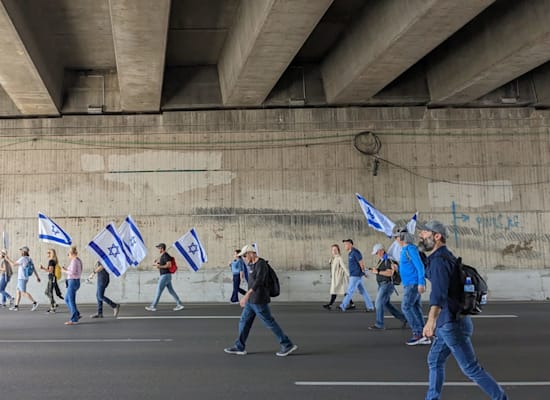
(453, 330)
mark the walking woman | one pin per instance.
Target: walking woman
(339, 277)
(102, 283)
(52, 279)
(5, 275)
(74, 272)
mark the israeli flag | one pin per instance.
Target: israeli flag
(191, 249)
(131, 236)
(49, 231)
(375, 218)
(109, 248)
(255, 245)
(411, 225)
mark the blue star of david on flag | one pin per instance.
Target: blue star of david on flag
(113, 250)
(133, 241)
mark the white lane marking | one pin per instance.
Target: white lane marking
(185, 317)
(84, 340)
(381, 383)
(479, 316)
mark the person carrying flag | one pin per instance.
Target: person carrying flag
(165, 279)
(22, 278)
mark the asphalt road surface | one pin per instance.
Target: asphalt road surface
(179, 355)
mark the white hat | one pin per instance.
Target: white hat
(377, 247)
(247, 249)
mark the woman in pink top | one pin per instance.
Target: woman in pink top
(74, 272)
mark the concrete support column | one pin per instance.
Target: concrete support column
(266, 36)
(390, 37)
(512, 38)
(29, 73)
(140, 29)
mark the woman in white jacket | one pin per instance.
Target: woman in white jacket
(339, 277)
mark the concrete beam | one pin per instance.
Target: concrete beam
(512, 38)
(388, 38)
(261, 44)
(29, 73)
(140, 31)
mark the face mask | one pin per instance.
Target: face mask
(427, 244)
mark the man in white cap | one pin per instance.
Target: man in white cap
(384, 271)
(23, 278)
(256, 303)
(453, 331)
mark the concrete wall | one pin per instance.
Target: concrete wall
(284, 178)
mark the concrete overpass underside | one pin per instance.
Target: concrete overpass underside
(64, 57)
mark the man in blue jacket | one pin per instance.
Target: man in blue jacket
(453, 330)
(411, 269)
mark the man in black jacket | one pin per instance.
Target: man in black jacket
(256, 302)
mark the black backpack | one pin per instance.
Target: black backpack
(469, 303)
(273, 286)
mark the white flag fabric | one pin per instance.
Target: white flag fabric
(109, 248)
(49, 231)
(375, 218)
(411, 225)
(191, 249)
(394, 251)
(5, 240)
(131, 236)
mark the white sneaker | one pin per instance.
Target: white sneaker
(34, 306)
(14, 308)
(150, 308)
(179, 307)
(425, 340)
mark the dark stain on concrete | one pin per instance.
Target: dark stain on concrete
(515, 248)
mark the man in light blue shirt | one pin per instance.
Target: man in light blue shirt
(411, 269)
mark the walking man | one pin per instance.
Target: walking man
(256, 303)
(102, 283)
(411, 269)
(356, 271)
(384, 271)
(22, 279)
(453, 332)
(165, 279)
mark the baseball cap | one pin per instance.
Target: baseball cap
(24, 248)
(434, 226)
(4, 251)
(376, 248)
(161, 246)
(399, 231)
(247, 249)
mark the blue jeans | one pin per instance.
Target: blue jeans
(100, 296)
(454, 338)
(385, 290)
(236, 288)
(356, 283)
(412, 309)
(3, 283)
(70, 298)
(165, 281)
(264, 313)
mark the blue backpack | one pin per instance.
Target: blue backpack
(29, 268)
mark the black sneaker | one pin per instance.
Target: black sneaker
(234, 350)
(96, 316)
(327, 306)
(351, 307)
